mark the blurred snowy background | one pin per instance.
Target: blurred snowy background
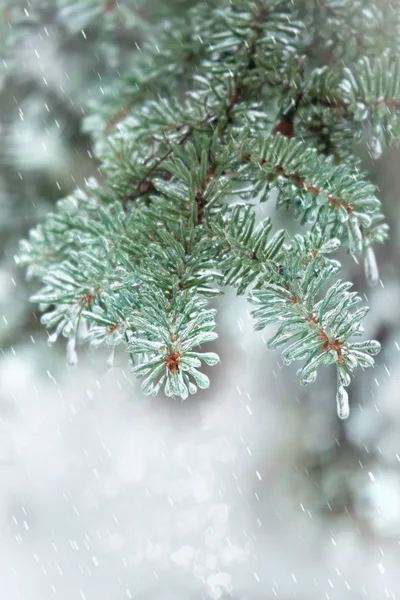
(252, 491)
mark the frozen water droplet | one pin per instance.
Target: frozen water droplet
(110, 360)
(371, 267)
(72, 357)
(375, 148)
(309, 379)
(342, 399)
(53, 337)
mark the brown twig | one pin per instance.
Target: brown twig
(172, 360)
(110, 5)
(301, 183)
(145, 184)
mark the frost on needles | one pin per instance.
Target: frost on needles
(224, 105)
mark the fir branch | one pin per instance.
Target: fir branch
(145, 182)
(330, 195)
(169, 332)
(137, 259)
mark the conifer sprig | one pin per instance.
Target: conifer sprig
(235, 105)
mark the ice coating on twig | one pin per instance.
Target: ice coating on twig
(342, 399)
(110, 360)
(371, 267)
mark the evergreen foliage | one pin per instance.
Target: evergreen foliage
(224, 106)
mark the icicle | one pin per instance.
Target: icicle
(370, 267)
(375, 149)
(82, 329)
(55, 335)
(72, 357)
(310, 378)
(110, 360)
(342, 399)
